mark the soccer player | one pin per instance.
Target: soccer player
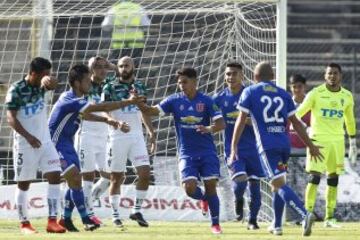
(248, 168)
(64, 121)
(331, 105)
(91, 141)
(33, 149)
(192, 111)
(130, 145)
(269, 108)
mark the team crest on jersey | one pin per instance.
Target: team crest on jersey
(342, 101)
(226, 104)
(181, 107)
(200, 107)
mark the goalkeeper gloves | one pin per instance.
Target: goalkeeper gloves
(352, 150)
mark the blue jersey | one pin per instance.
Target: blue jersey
(228, 102)
(187, 115)
(269, 107)
(64, 118)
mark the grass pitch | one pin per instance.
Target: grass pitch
(179, 231)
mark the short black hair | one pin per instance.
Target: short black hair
(186, 71)
(297, 78)
(334, 65)
(235, 65)
(77, 73)
(39, 65)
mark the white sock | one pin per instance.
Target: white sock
(53, 196)
(63, 189)
(139, 198)
(100, 187)
(87, 186)
(21, 203)
(115, 202)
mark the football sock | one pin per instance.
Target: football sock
(100, 187)
(115, 202)
(53, 194)
(255, 199)
(68, 204)
(87, 188)
(310, 196)
(21, 204)
(278, 205)
(292, 200)
(139, 198)
(214, 207)
(331, 195)
(77, 195)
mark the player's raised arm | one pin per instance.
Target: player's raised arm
(306, 105)
(146, 109)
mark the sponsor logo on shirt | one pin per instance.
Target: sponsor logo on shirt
(332, 113)
(191, 119)
(31, 109)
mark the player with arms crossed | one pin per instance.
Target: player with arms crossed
(192, 113)
(331, 105)
(130, 144)
(64, 121)
(91, 140)
(33, 149)
(269, 108)
(248, 168)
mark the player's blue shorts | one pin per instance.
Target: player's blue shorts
(248, 163)
(68, 157)
(204, 167)
(274, 162)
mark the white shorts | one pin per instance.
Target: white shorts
(27, 161)
(128, 147)
(92, 152)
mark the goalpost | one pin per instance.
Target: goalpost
(199, 33)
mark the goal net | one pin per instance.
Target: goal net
(198, 33)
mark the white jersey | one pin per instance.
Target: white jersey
(90, 128)
(29, 102)
(117, 91)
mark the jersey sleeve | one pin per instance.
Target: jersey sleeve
(350, 122)
(78, 105)
(13, 99)
(306, 105)
(140, 88)
(166, 105)
(106, 93)
(213, 109)
(244, 104)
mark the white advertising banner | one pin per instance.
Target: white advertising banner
(166, 203)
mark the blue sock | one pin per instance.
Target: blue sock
(292, 200)
(239, 189)
(214, 206)
(69, 205)
(278, 206)
(255, 199)
(77, 196)
(198, 194)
